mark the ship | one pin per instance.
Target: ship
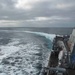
(62, 56)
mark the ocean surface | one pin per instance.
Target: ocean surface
(24, 51)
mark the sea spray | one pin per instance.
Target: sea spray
(46, 35)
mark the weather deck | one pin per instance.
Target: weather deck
(53, 60)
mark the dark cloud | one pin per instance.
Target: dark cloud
(62, 9)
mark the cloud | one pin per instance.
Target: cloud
(63, 6)
(52, 18)
(25, 4)
(34, 13)
(8, 23)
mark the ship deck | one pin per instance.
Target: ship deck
(53, 61)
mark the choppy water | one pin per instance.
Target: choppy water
(23, 51)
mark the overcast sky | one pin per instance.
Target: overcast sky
(37, 13)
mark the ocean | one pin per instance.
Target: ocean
(24, 51)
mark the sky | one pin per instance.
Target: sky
(37, 13)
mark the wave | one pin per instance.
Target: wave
(46, 35)
(26, 58)
(49, 40)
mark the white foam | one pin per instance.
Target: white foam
(10, 48)
(47, 59)
(15, 42)
(27, 52)
(27, 66)
(3, 74)
(7, 50)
